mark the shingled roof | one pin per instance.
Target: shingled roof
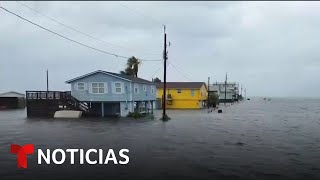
(123, 76)
(182, 85)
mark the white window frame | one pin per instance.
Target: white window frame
(115, 88)
(136, 86)
(152, 90)
(77, 86)
(105, 87)
(144, 87)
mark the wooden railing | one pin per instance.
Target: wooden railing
(57, 95)
(64, 97)
(76, 103)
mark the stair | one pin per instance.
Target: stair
(75, 104)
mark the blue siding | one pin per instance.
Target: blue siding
(127, 95)
(144, 95)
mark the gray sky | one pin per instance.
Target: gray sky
(272, 48)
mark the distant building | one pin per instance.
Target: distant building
(227, 92)
(108, 93)
(12, 100)
(183, 95)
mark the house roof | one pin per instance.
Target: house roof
(121, 76)
(11, 94)
(182, 85)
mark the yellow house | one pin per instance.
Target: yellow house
(183, 95)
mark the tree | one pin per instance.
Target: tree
(156, 80)
(213, 100)
(132, 67)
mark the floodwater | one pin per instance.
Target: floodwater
(257, 139)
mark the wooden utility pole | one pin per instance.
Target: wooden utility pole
(164, 116)
(208, 92)
(225, 90)
(47, 80)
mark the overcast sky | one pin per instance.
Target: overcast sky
(272, 48)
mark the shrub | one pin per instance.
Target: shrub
(135, 115)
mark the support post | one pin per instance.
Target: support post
(208, 92)
(47, 80)
(151, 107)
(225, 90)
(102, 109)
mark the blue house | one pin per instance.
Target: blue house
(109, 94)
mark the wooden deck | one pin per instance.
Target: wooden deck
(46, 103)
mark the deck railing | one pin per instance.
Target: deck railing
(57, 95)
(62, 96)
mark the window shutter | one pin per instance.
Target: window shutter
(85, 86)
(75, 86)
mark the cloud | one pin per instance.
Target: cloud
(269, 47)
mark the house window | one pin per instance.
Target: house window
(179, 90)
(118, 87)
(80, 86)
(144, 88)
(152, 90)
(98, 88)
(192, 92)
(136, 89)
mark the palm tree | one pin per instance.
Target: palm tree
(132, 67)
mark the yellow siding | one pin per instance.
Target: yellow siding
(203, 95)
(185, 99)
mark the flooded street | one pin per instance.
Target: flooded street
(277, 139)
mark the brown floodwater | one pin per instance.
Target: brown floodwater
(277, 139)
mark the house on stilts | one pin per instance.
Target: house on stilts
(99, 93)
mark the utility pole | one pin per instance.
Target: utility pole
(225, 90)
(47, 80)
(208, 92)
(165, 57)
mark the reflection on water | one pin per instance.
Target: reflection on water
(274, 139)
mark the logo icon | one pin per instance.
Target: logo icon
(22, 152)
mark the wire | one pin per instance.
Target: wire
(69, 39)
(176, 66)
(69, 27)
(155, 72)
(141, 14)
(184, 75)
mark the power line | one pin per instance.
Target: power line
(141, 14)
(184, 75)
(69, 39)
(69, 27)
(180, 77)
(156, 71)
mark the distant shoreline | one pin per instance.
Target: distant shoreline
(279, 97)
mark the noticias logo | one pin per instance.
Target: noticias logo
(84, 156)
